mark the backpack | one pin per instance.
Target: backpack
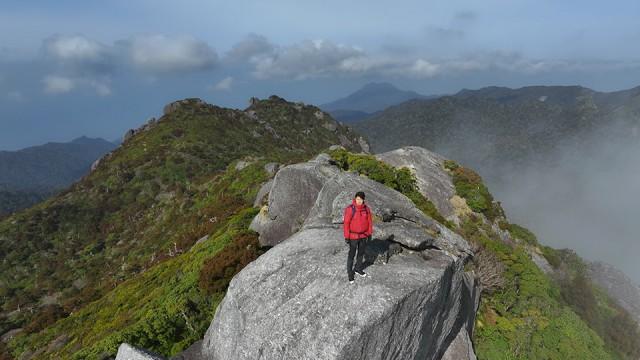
(353, 212)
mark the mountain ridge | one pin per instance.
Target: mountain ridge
(171, 182)
(165, 223)
(30, 175)
(367, 100)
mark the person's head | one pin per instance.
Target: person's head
(359, 197)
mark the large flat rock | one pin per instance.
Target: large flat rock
(294, 302)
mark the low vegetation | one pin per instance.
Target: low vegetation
(113, 258)
(469, 186)
(525, 314)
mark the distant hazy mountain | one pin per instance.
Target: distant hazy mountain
(556, 155)
(502, 125)
(369, 99)
(30, 175)
(144, 248)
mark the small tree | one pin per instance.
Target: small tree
(488, 269)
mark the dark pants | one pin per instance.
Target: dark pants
(354, 245)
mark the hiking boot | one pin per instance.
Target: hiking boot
(361, 273)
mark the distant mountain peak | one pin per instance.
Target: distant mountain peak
(379, 86)
(87, 140)
(372, 97)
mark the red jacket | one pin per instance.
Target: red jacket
(361, 225)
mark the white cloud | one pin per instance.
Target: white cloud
(54, 84)
(307, 59)
(424, 68)
(57, 84)
(101, 88)
(79, 55)
(224, 84)
(75, 47)
(321, 58)
(253, 45)
(163, 54)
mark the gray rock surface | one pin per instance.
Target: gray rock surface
(461, 348)
(433, 180)
(262, 193)
(271, 168)
(129, 352)
(409, 226)
(364, 145)
(193, 352)
(294, 301)
(540, 261)
(293, 193)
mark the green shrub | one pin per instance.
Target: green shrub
(48, 315)
(4, 352)
(552, 256)
(469, 186)
(522, 233)
(525, 318)
(217, 271)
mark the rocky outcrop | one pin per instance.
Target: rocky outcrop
(263, 193)
(294, 301)
(292, 195)
(173, 106)
(129, 352)
(460, 348)
(618, 285)
(432, 179)
(193, 352)
(540, 261)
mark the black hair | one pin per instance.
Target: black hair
(360, 194)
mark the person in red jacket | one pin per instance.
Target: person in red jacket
(358, 227)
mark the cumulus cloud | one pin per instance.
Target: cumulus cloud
(164, 54)
(253, 45)
(54, 84)
(101, 88)
(57, 84)
(321, 58)
(305, 60)
(79, 54)
(224, 84)
(423, 68)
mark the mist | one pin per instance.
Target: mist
(585, 198)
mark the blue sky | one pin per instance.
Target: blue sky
(98, 68)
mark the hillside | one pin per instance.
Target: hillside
(555, 155)
(508, 126)
(293, 301)
(32, 174)
(149, 248)
(370, 99)
(113, 235)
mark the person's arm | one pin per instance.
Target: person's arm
(346, 222)
(370, 230)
